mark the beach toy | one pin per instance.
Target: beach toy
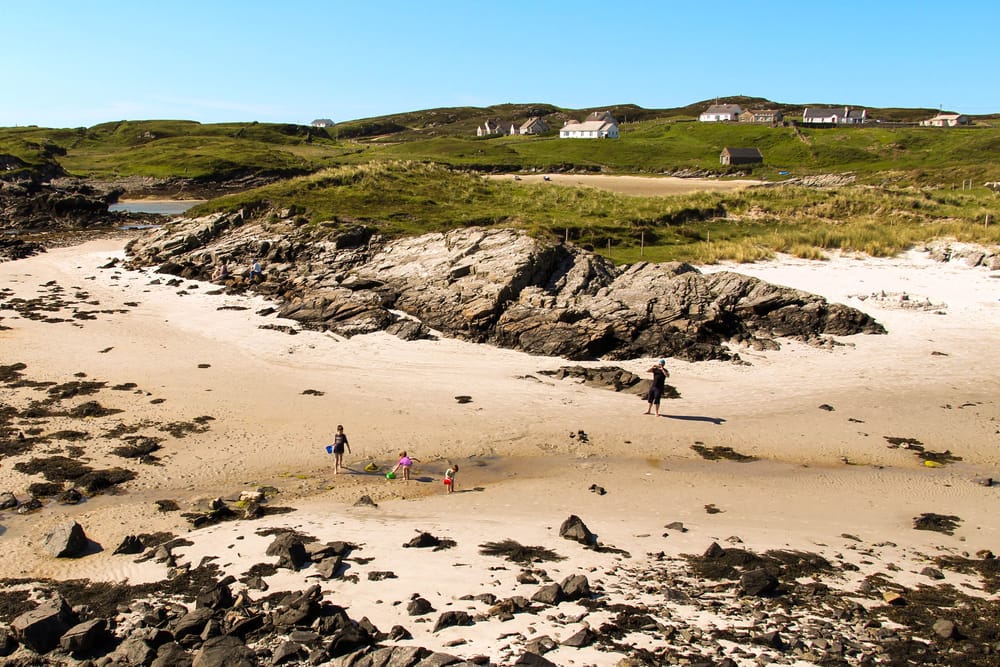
(390, 475)
(329, 449)
(932, 464)
(371, 467)
(447, 482)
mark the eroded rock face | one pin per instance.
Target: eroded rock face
(497, 286)
(31, 205)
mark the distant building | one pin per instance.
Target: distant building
(533, 125)
(833, 116)
(720, 113)
(946, 120)
(495, 126)
(762, 116)
(734, 156)
(599, 125)
(322, 122)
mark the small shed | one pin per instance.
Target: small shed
(734, 156)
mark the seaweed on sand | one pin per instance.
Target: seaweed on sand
(518, 553)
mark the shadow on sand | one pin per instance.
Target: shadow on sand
(697, 418)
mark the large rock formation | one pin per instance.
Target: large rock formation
(32, 205)
(497, 286)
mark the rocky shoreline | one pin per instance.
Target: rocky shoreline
(496, 286)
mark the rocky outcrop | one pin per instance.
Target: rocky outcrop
(496, 286)
(30, 205)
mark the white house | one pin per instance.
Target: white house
(946, 120)
(599, 125)
(834, 115)
(718, 113)
(322, 122)
(494, 126)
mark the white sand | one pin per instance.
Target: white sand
(821, 474)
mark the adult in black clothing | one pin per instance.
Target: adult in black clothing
(660, 374)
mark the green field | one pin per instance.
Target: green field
(419, 171)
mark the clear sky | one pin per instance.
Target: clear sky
(70, 63)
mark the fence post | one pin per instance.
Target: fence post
(642, 243)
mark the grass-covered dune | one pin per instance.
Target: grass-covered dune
(400, 198)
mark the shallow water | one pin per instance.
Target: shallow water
(159, 207)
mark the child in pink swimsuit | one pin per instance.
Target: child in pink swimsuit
(405, 463)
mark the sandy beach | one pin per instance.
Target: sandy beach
(642, 186)
(258, 405)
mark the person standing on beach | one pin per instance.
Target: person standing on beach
(660, 373)
(339, 443)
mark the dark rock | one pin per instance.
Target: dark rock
(575, 587)
(504, 287)
(67, 540)
(85, 637)
(327, 568)
(134, 651)
(933, 573)
(533, 660)
(172, 654)
(7, 501)
(8, 643)
(551, 594)
(132, 544)
(422, 541)
(758, 583)
(290, 550)
(191, 623)
(225, 651)
(419, 606)
(575, 529)
(585, 637)
(452, 618)
(216, 596)
(289, 651)
(41, 628)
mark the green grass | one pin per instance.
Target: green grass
(652, 142)
(403, 198)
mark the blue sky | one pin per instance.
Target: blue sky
(82, 63)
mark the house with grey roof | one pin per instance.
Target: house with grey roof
(833, 116)
(734, 156)
(493, 126)
(720, 113)
(322, 122)
(762, 116)
(533, 125)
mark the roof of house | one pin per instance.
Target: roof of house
(743, 152)
(723, 109)
(601, 115)
(588, 126)
(531, 121)
(762, 112)
(947, 116)
(320, 122)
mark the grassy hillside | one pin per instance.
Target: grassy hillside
(653, 141)
(406, 198)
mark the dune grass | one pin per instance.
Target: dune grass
(403, 198)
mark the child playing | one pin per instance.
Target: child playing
(449, 478)
(405, 462)
(339, 442)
